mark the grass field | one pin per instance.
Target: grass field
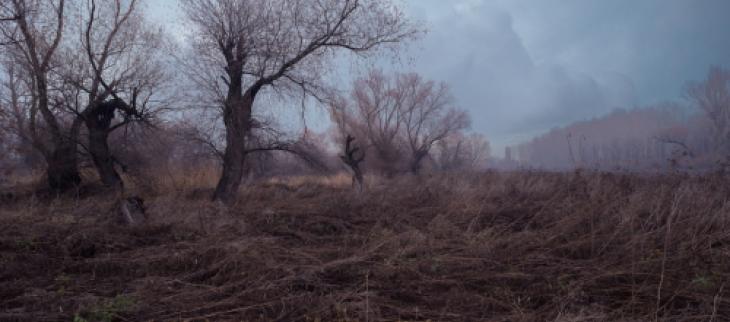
(469, 247)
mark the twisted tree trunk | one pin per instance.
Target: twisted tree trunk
(98, 122)
(103, 159)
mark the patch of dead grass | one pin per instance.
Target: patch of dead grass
(468, 247)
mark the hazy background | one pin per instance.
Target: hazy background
(522, 67)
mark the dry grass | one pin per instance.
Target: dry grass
(487, 247)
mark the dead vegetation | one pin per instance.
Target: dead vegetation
(486, 247)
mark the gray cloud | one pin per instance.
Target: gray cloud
(522, 67)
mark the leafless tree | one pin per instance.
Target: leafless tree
(428, 115)
(245, 46)
(399, 117)
(119, 74)
(33, 40)
(373, 115)
(80, 76)
(712, 96)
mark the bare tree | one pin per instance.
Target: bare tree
(379, 113)
(712, 96)
(285, 44)
(372, 114)
(106, 67)
(119, 75)
(399, 117)
(33, 39)
(428, 115)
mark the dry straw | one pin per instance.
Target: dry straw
(471, 247)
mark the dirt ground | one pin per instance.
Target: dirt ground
(470, 247)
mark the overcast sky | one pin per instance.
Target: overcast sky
(522, 67)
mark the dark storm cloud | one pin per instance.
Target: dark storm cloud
(522, 67)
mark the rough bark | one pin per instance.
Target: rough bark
(62, 169)
(98, 122)
(103, 159)
(62, 172)
(237, 118)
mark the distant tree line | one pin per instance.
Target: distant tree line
(670, 136)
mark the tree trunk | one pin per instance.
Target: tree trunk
(416, 162)
(98, 121)
(103, 159)
(237, 118)
(62, 170)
